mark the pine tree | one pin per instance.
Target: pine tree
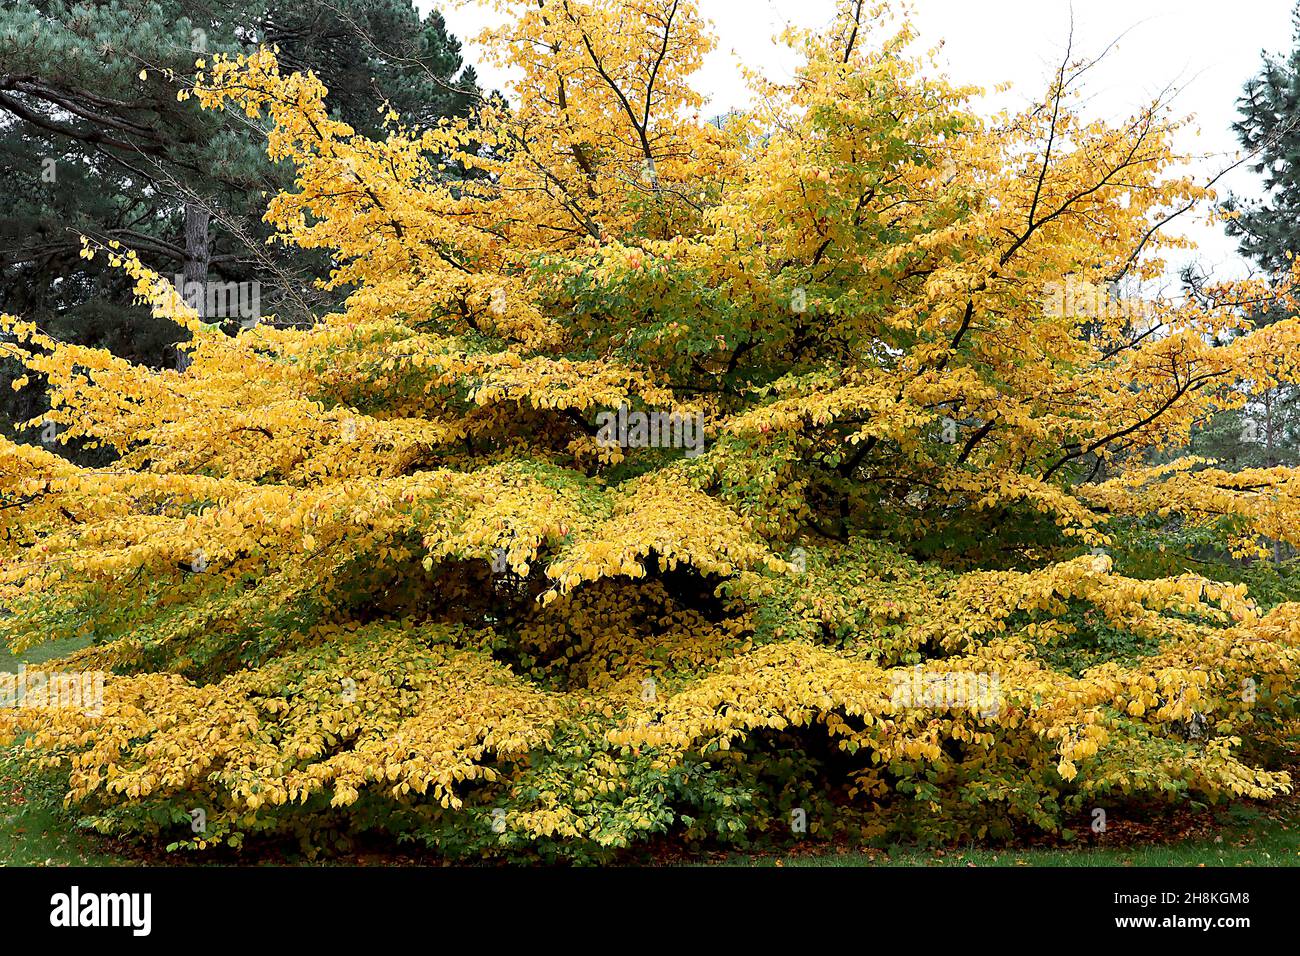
(96, 143)
(1268, 128)
(1266, 431)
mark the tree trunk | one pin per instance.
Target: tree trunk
(197, 255)
(1270, 457)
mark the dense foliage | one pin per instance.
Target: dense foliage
(94, 142)
(390, 573)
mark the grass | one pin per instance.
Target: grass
(35, 832)
(33, 829)
(1243, 836)
(10, 662)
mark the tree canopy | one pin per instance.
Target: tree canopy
(95, 142)
(390, 573)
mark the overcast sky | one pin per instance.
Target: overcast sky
(1207, 48)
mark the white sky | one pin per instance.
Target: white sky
(1206, 48)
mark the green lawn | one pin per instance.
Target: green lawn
(10, 662)
(1242, 837)
(32, 831)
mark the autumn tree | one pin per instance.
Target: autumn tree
(426, 569)
(95, 142)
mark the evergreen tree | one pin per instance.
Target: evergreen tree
(1269, 130)
(95, 142)
(1266, 432)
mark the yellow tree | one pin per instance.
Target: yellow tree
(664, 476)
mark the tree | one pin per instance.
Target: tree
(666, 476)
(1267, 429)
(98, 144)
(1268, 130)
